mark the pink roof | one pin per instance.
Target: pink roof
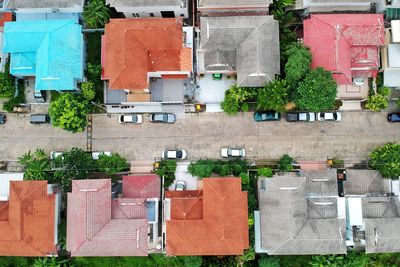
(141, 186)
(99, 226)
(345, 44)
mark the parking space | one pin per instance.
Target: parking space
(182, 174)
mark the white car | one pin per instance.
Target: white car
(180, 185)
(233, 152)
(174, 154)
(55, 154)
(96, 154)
(131, 118)
(329, 116)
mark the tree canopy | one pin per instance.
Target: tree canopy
(285, 163)
(273, 96)
(236, 99)
(167, 170)
(112, 164)
(37, 165)
(317, 92)
(386, 159)
(96, 14)
(69, 112)
(297, 65)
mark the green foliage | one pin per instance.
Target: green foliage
(248, 255)
(152, 260)
(273, 96)
(236, 99)
(377, 102)
(245, 178)
(50, 262)
(6, 82)
(268, 261)
(385, 91)
(201, 168)
(16, 261)
(96, 14)
(167, 170)
(88, 90)
(204, 168)
(337, 163)
(297, 65)
(265, 172)
(316, 92)
(327, 260)
(192, 261)
(37, 165)
(285, 163)
(93, 71)
(386, 159)
(112, 164)
(15, 100)
(398, 103)
(69, 112)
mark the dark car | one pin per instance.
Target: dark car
(3, 118)
(267, 116)
(162, 117)
(40, 118)
(393, 117)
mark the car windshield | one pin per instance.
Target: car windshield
(159, 117)
(266, 116)
(179, 154)
(335, 116)
(395, 117)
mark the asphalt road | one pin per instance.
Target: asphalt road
(203, 135)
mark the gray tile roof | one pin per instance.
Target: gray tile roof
(16, 4)
(361, 182)
(144, 3)
(294, 222)
(229, 3)
(247, 44)
(382, 235)
(322, 183)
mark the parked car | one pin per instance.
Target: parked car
(180, 185)
(393, 117)
(300, 116)
(40, 96)
(329, 116)
(162, 117)
(3, 118)
(55, 154)
(40, 118)
(97, 154)
(267, 116)
(233, 152)
(131, 118)
(174, 154)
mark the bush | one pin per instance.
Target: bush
(167, 170)
(201, 168)
(192, 261)
(88, 90)
(94, 72)
(7, 87)
(298, 64)
(384, 91)
(236, 99)
(245, 178)
(265, 172)
(285, 163)
(96, 14)
(273, 96)
(268, 261)
(112, 164)
(377, 102)
(386, 159)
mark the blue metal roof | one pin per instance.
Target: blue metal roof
(51, 50)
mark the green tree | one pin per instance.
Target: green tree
(94, 72)
(167, 170)
(316, 92)
(50, 262)
(385, 91)
(285, 163)
(245, 178)
(297, 65)
(37, 165)
(377, 102)
(268, 261)
(112, 164)
(248, 255)
(265, 172)
(88, 90)
(236, 99)
(201, 168)
(386, 159)
(7, 86)
(192, 261)
(69, 112)
(96, 14)
(273, 96)
(327, 260)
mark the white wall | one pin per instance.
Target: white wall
(144, 12)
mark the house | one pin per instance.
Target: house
(4, 17)
(44, 10)
(391, 56)
(154, 8)
(99, 225)
(29, 219)
(324, 6)
(212, 221)
(39, 49)
(299, 214)
(232, 7)
(345, 44)
(154, 53)
(247, 46)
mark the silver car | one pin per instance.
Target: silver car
(162, 117)
(233, 152)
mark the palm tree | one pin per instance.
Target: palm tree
(37, 170)
(26, 158)
(96, 14)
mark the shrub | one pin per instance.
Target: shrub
(167, 170)
(386, 159)
(273, 96)
(298, 64)
(94, 72)
(7, 87)
(384, 91)
(112, 164)
(285, 163)
(201, 168)
(265, 172)
(192, 261)
(245, 178)
(377, 102)
(236, 99)
(88, 90)
(96, 14)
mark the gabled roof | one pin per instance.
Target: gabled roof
(99, 226)
(144, 3)
(50, 50)
(133, 47)
(345, 44)
(21, 4)
(5, 17)
(248, 45)
(233, 3)
(27, 220)
(212, 221)
(296, 218)
(362, 182)
(141, 186)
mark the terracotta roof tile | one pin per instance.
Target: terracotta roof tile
(5, 17)
(141, 186)
(133, 47)
(27, 220)
(213, 222)
(345, 44)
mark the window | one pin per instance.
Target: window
(182, 15)
(167, 14)
(135, 15)
(151, 14)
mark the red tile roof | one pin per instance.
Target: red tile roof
(99, 226)
(345, 44)
(212, 221)
(133, 47)
(27, 220)
(5, 17)
(141, 186)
